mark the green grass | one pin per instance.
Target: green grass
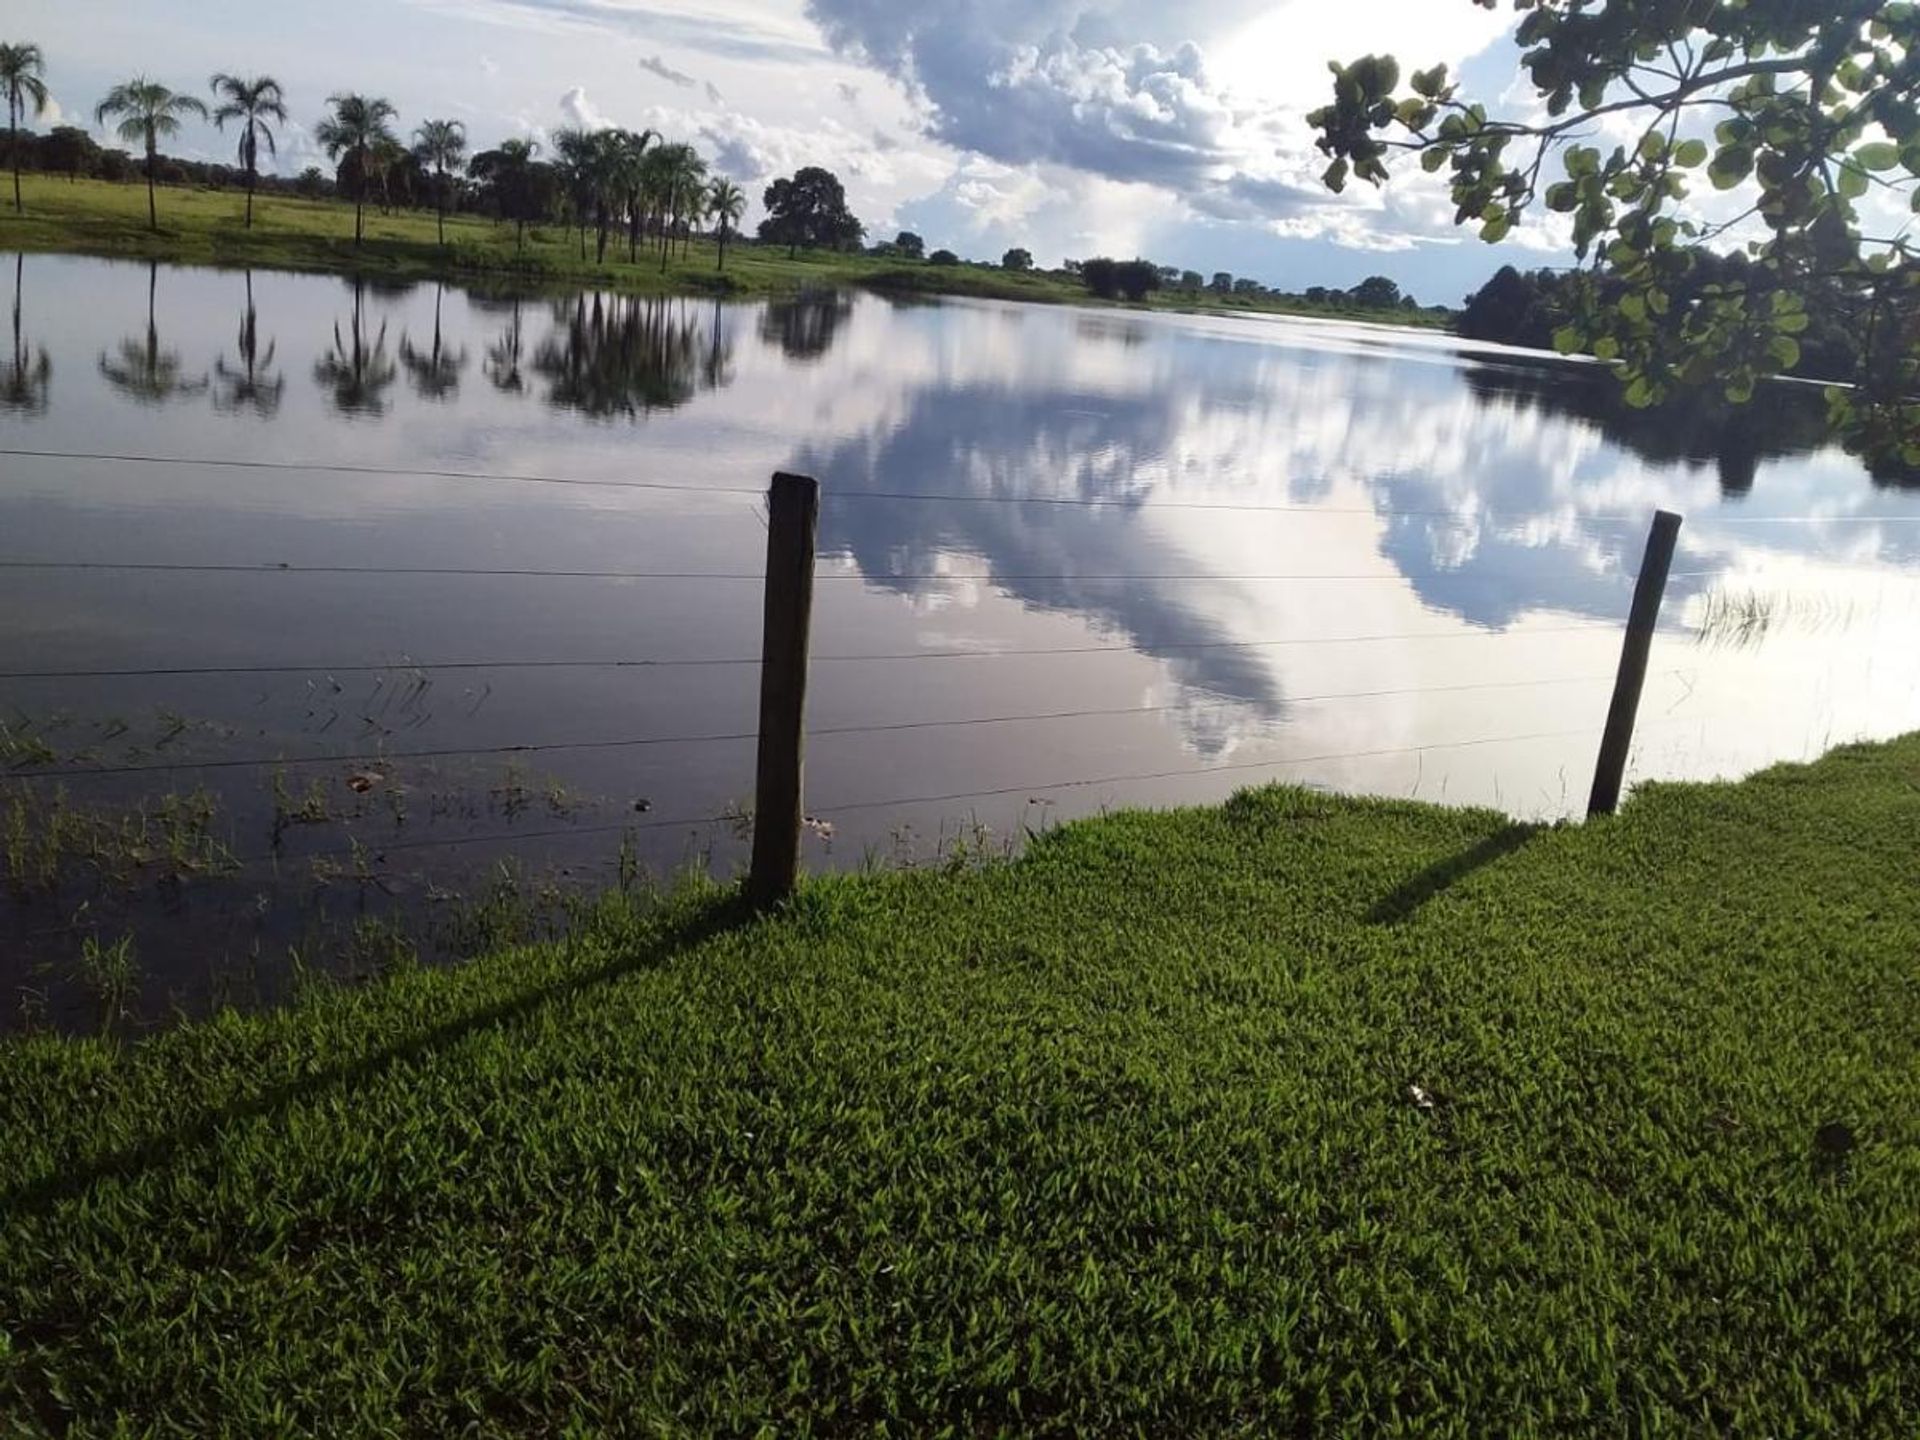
(1119, 1138)
(203, 227)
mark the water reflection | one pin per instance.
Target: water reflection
(806, 327)
(1696, 428)
(28, 375)
(504, 359)
(611, 356)
(250, 386)
(435, 371)
(142, 369)
(356, 373)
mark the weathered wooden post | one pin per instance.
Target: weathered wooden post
(793, 514)
(1648, 590)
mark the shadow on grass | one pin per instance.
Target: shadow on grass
(75, 1178)
(1404, 901)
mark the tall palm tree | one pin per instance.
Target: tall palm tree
(147, 110)
(683, 186)
(726, 204)
(578, 151)
(442, 145)
(690, 196)
(627, 163)
(253, 103)
(21, 69)
(509, 170)
(358, 130)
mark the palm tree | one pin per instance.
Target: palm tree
(358, 130)
(578, 150)
(21, 68)
(726, 204)
(508, 169)
(682, 190)
(628, 163)
(253, 103)
(441, 144)
(147, 110)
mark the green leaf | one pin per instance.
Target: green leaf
(1606, 348)
(1786, 350)
(1652, 147)
(1690, 153)
(1430, 83)
(1640, 393)
(1433, 158)
(1562, 197)
(1567, 339)
(1730, 168)
(1739, 392)
(1880, 155)
(1494, 231)
(1853, 179)
(1634, 308)
(1335, 178)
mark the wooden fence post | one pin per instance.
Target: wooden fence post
(1648, 590)
(793, 513)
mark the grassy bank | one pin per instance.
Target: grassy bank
(201, 227)
(1298, 1115)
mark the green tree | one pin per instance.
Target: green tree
(358, 131)
(71, 150)
(1805, 109)
(577, 153)
(147, 110)
(910, 245)
(809, 209)
(1017, 259)
(1222, 282)
(22, 71)
(253, 103)
(441, 145)
(508, 171)
(725, 204)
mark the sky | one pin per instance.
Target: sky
(1068, 127)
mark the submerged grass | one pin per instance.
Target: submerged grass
(204, 227)
(1296, 1115)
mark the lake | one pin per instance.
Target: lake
(320, 599)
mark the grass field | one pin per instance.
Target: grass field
(1297, 1115)
(203, 227)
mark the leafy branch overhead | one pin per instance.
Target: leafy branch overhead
(1801, 111)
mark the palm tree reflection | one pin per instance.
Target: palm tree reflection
(435, 372)
(141, 369)
(356, 372)
(250, 385)
(612, 356)
(26, 377)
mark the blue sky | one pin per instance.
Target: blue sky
(1072, 127)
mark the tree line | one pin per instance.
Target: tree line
(603, 182)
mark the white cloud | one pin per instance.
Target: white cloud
(580, 111)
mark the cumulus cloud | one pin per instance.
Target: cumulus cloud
(1115, 90)
(580, 111)
(653, 64)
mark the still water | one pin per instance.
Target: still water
(1070, 560)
